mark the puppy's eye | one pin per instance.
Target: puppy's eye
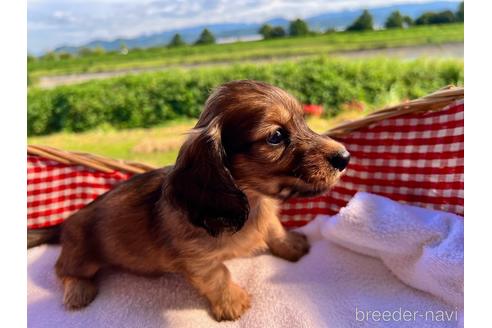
(277, 137)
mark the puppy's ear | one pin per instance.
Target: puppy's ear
(202, 186)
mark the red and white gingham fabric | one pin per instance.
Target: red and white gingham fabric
(56, 190)
(415, 159)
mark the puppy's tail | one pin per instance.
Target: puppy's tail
(36, 237)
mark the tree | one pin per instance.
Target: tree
(430, 18)
(394, 20)
(298, 27)
(397, 20)
(266, 31)
(206, 37)
(270, 32)
(278, 32)
(176, 41)
(444, 17)
(460, 14)
(424, 19)
(363, 23)
(408, 21)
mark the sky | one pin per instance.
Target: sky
(52, 23)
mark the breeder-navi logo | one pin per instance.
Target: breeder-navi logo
(405, 315)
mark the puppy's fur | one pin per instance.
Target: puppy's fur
(217, 202)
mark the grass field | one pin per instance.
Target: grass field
(158, 146)
(264, 49)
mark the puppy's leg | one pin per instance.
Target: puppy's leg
(77, 276)
(288, 245)
(228, 301)
(78, 292)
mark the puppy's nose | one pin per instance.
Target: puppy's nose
(339, 160)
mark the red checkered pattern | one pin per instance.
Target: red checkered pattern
(56, 190)
(415, 158)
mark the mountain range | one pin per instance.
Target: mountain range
(337, 20)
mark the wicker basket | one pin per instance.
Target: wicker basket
(406, 134)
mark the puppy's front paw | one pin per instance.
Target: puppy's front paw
(78, 293)
(232, 304)
(292, 247)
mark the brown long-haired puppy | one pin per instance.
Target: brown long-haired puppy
(249, 149)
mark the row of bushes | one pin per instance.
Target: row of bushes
(149, 99)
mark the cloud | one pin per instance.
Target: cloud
(52, 23)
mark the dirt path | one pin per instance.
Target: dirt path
(447, 50)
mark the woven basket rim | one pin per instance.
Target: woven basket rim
(432, 102)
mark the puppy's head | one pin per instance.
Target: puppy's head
(251, 137)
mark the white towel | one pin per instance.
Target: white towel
(376, 255)
(423, 248)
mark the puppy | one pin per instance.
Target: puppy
(250, 149)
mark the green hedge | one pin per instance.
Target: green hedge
(149, 99)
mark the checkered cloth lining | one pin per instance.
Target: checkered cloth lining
(415, 159)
